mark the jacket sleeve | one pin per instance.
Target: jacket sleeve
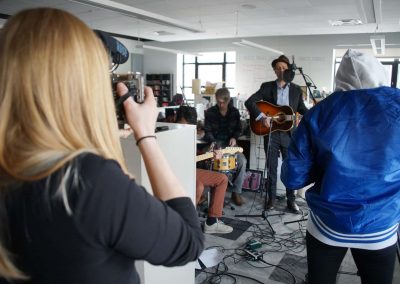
(237, 130)
(260, 95)
(117, 214)
(208, 123)
(297, 168)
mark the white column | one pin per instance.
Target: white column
(179, 146)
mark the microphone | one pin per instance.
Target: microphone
(293, 65)
(119, 53)
(288, 74)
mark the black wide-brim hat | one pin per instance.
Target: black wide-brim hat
(281, 58)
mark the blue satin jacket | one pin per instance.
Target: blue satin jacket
(348, 145)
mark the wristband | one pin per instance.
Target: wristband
(144, 137)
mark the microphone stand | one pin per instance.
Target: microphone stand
(308, 84)
(296, 221)
(264, 214)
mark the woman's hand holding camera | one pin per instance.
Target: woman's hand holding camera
(141, 117)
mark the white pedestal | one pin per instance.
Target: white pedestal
(179, 146)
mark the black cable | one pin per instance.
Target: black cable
(247, 277)
(252, 204)
(293, 242)
(221, 270)
(309, 78)
(277, 266)
(287, 242)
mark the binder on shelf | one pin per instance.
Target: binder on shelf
(161, 85)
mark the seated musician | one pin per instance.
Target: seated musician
(281, 93)
(218, 182)
(222, 126)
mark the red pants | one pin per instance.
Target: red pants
(218, 183)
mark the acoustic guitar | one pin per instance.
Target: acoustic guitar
(282, 118)
(227, 150)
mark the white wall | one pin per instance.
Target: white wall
(160, 62)
(313, 53)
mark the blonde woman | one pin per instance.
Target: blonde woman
(70, 212)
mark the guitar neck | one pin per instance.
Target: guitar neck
(227, 150)
(205, 156)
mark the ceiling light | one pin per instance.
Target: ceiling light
(162, 33)
(256, 45)
(176, 51)
(139, 14)
(345, 22)
(378, 44)
(248, 6)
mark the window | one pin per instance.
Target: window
(215, 67)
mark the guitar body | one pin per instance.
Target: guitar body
(283, 118)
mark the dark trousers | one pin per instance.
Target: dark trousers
(374, 266)
(240, 173)
(278, 145)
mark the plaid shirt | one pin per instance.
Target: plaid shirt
(220, 128)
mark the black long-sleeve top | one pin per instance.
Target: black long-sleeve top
(113, 223)
(219, 128)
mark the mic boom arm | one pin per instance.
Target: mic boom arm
(292, 69)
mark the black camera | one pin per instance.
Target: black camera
(135, 85)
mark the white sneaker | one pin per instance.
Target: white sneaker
(217, 228)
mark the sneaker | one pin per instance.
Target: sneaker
(217, 228)
(237, 199)
(292, 207)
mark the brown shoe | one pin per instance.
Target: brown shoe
(237, 199)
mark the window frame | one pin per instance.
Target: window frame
(197, 64)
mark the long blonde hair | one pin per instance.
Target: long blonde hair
(55, 99)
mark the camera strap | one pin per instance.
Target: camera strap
(123, 98)
(119, 103)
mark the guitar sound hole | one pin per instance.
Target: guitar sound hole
(280, 118)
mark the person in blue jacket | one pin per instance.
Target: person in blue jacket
(347, 147)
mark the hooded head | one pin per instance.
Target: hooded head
(360, 71)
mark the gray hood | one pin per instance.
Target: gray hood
(360, 71)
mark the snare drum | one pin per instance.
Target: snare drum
(225, 164)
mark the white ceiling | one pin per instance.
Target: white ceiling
(226, 18)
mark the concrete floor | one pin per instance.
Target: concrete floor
(285, 248)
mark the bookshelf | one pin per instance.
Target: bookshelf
(162, 85)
